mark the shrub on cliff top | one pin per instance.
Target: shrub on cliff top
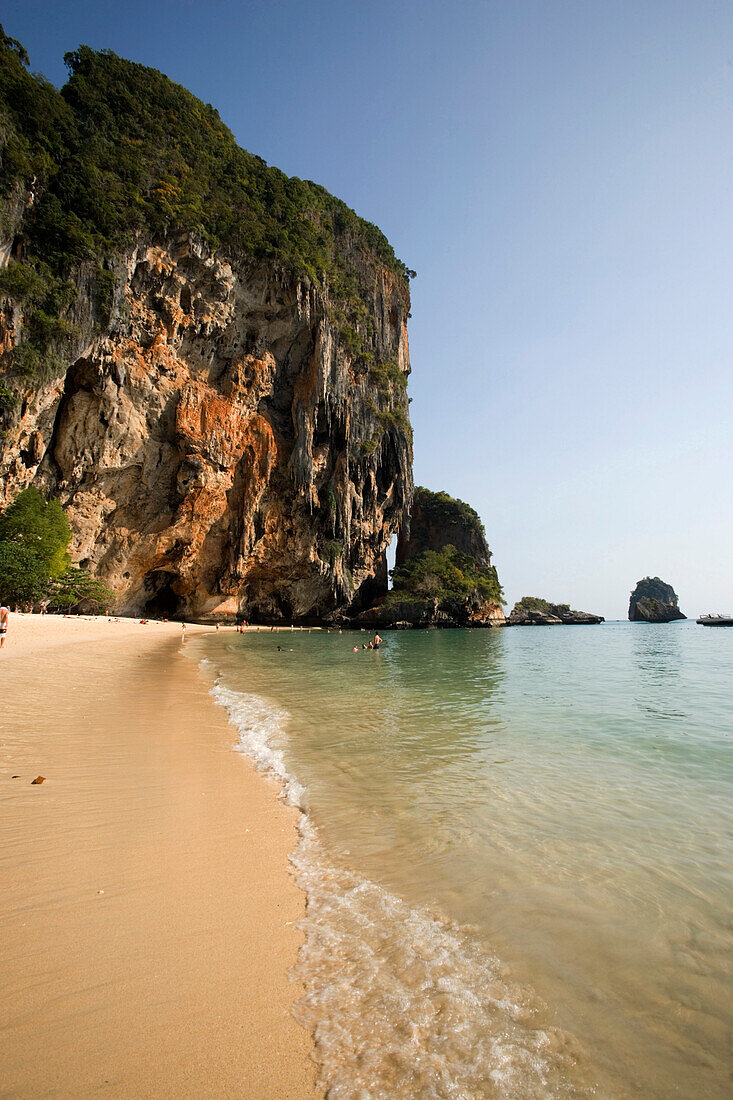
(442, 509)
(655, 588)
(532, 603)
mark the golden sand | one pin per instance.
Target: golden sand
(148, 916)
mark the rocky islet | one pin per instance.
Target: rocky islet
(654, 601)
(443, 573)
(534, 611)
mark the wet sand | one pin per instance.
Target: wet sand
(148, 914)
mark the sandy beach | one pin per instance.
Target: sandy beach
(149, 915)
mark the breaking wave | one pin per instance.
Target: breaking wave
(402, 1003)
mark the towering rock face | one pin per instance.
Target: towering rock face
(226, 424)
(438, 520)
(217, 452)
(653, 601)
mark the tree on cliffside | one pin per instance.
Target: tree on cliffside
(38, 527)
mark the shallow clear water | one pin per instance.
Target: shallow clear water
(518, 852)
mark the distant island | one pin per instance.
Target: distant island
(534, 611)
(654, 601)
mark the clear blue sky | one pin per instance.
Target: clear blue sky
(559, 175)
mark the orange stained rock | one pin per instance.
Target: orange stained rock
(158, 260)
(200, 509)
(217, 424)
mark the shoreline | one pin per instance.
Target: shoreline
(150, 914)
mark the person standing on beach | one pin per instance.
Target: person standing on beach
(4, 617)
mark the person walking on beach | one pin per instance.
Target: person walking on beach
(4, 617)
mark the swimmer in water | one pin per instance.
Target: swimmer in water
(377, 641)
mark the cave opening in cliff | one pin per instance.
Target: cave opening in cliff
(391, 555)
(162, 601)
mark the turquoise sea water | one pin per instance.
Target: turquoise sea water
(518, 852)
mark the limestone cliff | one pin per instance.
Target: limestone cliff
(443, 574)
(225, 422)
(438, 520)
(654, 601)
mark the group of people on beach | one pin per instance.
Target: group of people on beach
(5, 615)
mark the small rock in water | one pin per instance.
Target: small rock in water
(38, 779)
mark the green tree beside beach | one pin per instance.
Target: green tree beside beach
(35, 564)
(77, 588)
(34, 545)
(40, 528)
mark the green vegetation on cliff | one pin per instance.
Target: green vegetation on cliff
(534, 611)
(437, 520)
(443, 510)
(654, 601)
(544, 607)
(34, 539)
(445, 560)
(446, 575)
(122, 150)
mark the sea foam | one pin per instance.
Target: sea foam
(258, 720)
(402, 1003)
